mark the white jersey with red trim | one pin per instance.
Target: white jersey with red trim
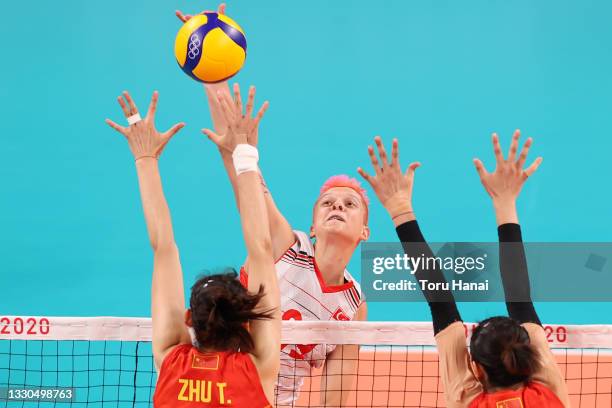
(305, 296)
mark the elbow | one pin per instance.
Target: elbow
(162, 247)
(161, 243)
(154, 244)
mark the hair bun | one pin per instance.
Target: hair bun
(220, 308)
(518, 359)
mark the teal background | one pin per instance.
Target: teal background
(440, 76)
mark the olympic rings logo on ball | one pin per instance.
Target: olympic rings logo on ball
(194, 47)
(210, 47)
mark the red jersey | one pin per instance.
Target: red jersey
(189, 378)
(306, 296)
(532, 395)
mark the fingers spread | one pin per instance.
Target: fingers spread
(381, 151)
(534, 166)
(497, 149)
(237, 98)
(514, 145)
(524, 152)
(229, 102)
(124, 107)
(374, 160)
(153, 106)
(173, 130)
(226, 107)
(128, 97)
(261, 113)
(480, 168)
(215, 138)
(115, 126)
(250, 102)
(412, 167)
(395, 154)
(365, 175)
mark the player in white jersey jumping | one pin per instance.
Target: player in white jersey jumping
(313, 279)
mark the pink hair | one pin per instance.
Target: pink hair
(343, 180)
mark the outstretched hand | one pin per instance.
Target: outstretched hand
(392, 186)
(185, 17)
(505, 183)
(142, 136)
(212, 89)
(241, 127)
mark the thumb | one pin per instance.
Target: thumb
(215, 138)
(480, 168)
(411, 168)
(117, 127)
(173, 130)
(365, 176)
(534, 166)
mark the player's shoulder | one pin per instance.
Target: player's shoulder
(350, 278)
(537, 335)
(299, 254)
(303, 244)
(174, 357)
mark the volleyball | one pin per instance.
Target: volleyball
(210, 47)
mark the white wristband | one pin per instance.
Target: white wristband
(245, 158)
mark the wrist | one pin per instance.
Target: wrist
(397, 206)
(146, 160)
(504, 204)
(403, 218)
(245, 158)
(505, 211)
(225, 154)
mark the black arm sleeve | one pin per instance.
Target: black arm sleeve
(441, 302)
(514, 274)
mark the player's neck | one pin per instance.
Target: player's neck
(514, 387)
(332, 258)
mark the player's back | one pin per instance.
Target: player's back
(532, 395)
(189, 378)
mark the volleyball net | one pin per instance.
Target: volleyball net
(107, 362)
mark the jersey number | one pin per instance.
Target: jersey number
(300, 350)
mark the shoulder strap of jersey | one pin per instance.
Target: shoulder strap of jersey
(304, 244)
(171, 357)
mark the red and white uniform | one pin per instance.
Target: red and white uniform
(191, 379)
(305, 296)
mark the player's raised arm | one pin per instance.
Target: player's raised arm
(239, 139)
(504, 185)
(280, 229)
(167, 297)
(393, 187)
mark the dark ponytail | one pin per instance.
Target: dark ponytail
(503, 348)
(220, 310)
